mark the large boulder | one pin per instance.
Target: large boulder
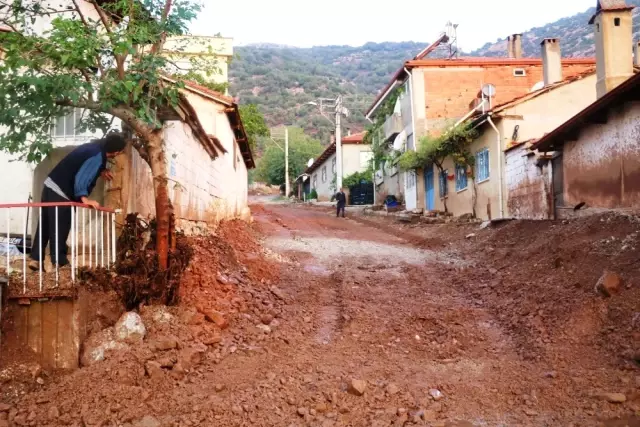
(130, 328)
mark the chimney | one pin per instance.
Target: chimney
(551, 61)
(636, 53)
(348, 131)
(514, 46)
(613, 30)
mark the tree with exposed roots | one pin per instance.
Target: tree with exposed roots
(104, 57)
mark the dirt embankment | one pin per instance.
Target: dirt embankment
(126, 379)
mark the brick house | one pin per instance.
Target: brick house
(438, 93)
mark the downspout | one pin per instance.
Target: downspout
(499, 148)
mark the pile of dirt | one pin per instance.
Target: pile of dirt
(226, 303)
(540, 280)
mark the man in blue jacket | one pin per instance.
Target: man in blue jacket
(72, 180)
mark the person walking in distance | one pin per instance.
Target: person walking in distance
(341, 198)
(72, 180)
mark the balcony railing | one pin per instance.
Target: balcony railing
(91, 242)
(392, 126)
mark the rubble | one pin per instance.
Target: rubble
(130, 329)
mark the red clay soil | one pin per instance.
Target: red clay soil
(306, 319)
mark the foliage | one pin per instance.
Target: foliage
(358, 177)
(106, 65)
(282, 79)
(254, 123)
(374, 131)
(271, 167)
(435, 149)
(313, 195)
(203, 81)
(104, 61)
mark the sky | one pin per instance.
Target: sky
(355, 22)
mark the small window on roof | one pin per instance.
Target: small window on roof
(598, 27)
(519, 72)
(616, 22)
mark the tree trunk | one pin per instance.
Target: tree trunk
(164, 210)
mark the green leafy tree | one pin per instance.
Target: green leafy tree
(271, 167)
(254, 123)
(104, 57)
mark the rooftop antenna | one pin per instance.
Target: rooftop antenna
(452, 34)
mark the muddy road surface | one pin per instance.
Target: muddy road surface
(376, 324)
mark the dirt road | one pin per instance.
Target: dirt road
(369, 305)
(360, 322)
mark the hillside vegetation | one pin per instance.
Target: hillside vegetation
(281, 80)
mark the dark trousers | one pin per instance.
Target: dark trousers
(48, 231)
(340, 208)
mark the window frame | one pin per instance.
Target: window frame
(324, 174)
(443, 183)
(77, 117)
(461, 171)
(333, 165)
(480, 178)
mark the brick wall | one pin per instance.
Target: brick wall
(450, 91)
(527, 185)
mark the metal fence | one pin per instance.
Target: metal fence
(92, 239)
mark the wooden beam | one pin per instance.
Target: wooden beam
(512, 116)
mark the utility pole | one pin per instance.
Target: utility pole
(273, 137)
(339, 142)
(286, 161)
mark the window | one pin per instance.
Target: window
(519, 72)
(324, 174)
(461, 177)
(65, 127)
(616, 22)
(482, 165)
(333, 165)
(598, 27)
(444, 188)
(410, 178)
(314, 183)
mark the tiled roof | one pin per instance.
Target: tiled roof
(610, 5)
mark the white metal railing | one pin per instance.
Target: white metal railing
(92, 233)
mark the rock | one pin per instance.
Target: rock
(190, 357)
(164, 343)
(167, 362)
(609, 284)
(53, 413)
(264, 328)
(97, 346)
(307, 319)
(220, 387)
(4, 407)
(614, 397)
(302, 411)
(429, 415)
(470, 236)
(530, 412)
(147, 421)
(192, 317)
(392, 389)
(130, 329)
(216, 317)
(237, 410)
(357, 387)
(551, 374)
(212, 339)
(277, 292)
(436, 394)
(40, 381)
(154, 369)
(266, 319)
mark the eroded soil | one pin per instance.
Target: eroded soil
(367, 322)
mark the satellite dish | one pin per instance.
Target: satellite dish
(536, 87)
(489, 90)
(309, 163)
